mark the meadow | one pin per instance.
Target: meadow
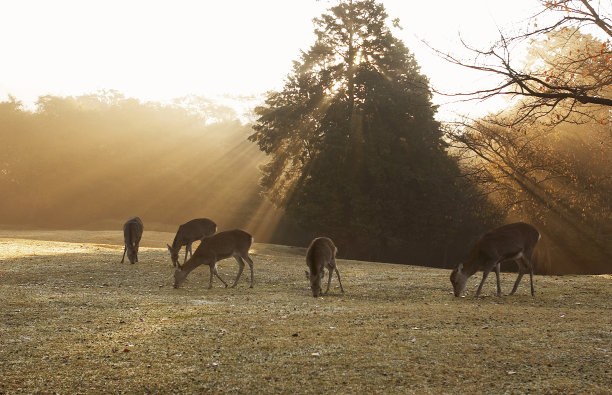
(75, 320)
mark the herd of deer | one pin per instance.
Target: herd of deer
(512, 242)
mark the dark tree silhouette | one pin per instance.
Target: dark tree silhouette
(355, 151)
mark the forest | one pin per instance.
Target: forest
(90, 162)
(350, 148)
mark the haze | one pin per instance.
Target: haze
(113, 109)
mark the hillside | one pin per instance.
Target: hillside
(74, 320)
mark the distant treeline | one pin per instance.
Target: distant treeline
(93, 161)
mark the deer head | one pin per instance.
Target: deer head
(179, 275)
(132, 252)
(174, 254)
(458, 279)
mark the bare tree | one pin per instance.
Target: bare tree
(548, 176)
(564, 80)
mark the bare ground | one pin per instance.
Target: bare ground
(74, 320)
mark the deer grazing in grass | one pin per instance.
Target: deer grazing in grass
(321, 254)
(232, 243)
(509, 242)
(132, 233)
(194, 230)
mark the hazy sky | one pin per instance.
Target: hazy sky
(158, 50)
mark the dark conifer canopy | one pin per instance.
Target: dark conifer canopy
(355, 151)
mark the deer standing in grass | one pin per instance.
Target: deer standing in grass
(231, 243)
(509, 242)
(132, 233)
(194, 230)
(321, 254)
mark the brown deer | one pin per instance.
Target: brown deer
(194, 230)
(321, 254)
(222, 245)
(509, 242)
(132, 233)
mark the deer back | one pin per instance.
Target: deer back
(224, 245)
(132, 231)
(320, 252)
(194, 230)
(500, 244)
(506, 241)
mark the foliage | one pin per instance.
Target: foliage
(571, 60)
(570, 74)
(355, 151)
(558, 179)
(546, 157)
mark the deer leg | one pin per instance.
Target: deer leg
(519, 277)
(516, 283)
(330, 272)
(531, 280)
(217, 274)
(484, 277)
(240, 269)
(124, 249)
(497, 268)
(212, 273)
(250, 262)
(338, 274)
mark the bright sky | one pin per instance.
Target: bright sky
(162, 49)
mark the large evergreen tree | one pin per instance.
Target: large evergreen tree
(356, 153)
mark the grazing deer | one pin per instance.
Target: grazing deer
(321, 254)
(222, 245)
(194, 230)
(509, 242)
(132, 233)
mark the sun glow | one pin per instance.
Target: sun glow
(20, 248)
(229, 53)
(160, 50)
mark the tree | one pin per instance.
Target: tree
(548, 162)
(577, 80)
(559, 180)
(355, 150)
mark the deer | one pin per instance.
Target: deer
(512, 242)
(232, 243)
(321, 254)
(132, 233)
(194, 230)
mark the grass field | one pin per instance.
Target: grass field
(75, 320)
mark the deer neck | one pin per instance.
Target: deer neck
(176, 243)
(472, 265)
(192, 263)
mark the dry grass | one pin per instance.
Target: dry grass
(74, 320)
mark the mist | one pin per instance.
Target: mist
(90, 162)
